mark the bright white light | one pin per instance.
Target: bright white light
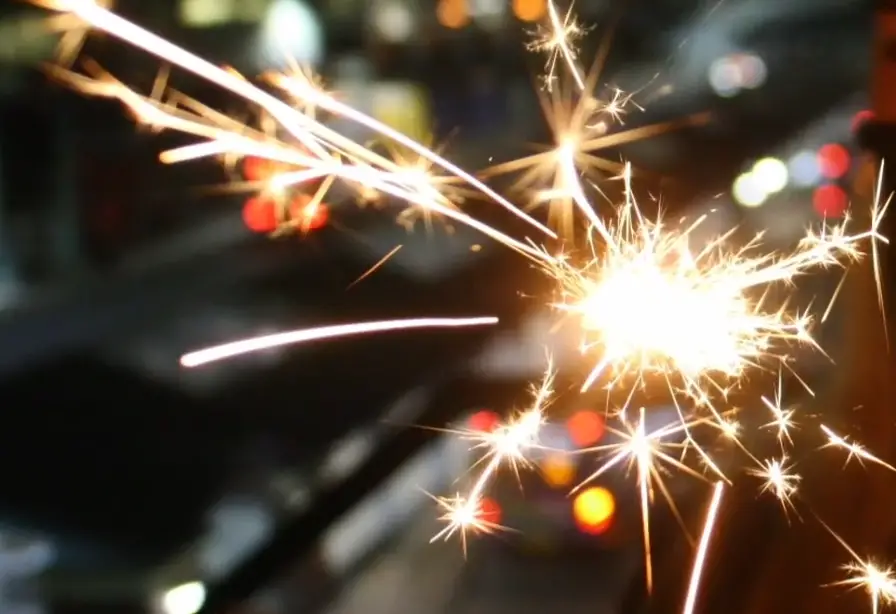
(291, 31)
(184, 599)
(748, 191)
(804, 169)
(771, 173)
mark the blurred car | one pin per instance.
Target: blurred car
(555, 505)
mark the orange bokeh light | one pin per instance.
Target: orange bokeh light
(453, 14)
(529, 10)
(260, 214)
(585, 428)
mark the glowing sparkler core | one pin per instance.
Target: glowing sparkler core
(650, 303)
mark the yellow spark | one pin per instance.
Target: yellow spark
(558, 41)
(647, 452)
(580, 122)
(376, 265)
(648, 303)
(782, 419)
(730, 429)
(266, 342)
(853, 449)
(307, 145)
(877, 581)
(508, 443)
(778, 479)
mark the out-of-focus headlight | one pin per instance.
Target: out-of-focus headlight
(184, 599)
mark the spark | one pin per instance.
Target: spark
(647, 452)
(309, 147)
(373, 268)
(506, 444)
(558, 40)
(706, 535)
(649, 305)
(782, 419)
(778, 479)
(580, 122)
(877, 581)
(714, 322)
(305, 335)
(853, 449)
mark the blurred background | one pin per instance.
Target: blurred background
(292, 480)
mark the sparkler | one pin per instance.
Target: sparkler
(717, 322)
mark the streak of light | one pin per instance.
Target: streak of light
(375, 266)
(266, 342)
(709, 524)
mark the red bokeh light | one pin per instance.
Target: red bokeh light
(260, 214)
(833, 160)
(595, 529)
(860, 118)
(585, 428)
(484, 421)
(489, 511)
(307, 214)
(258, 169)
(830, 201)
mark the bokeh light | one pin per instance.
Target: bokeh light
(585, 428)
(830, 201)
(529, 10)
(861, 118)
(833, 160)
(593, 510)
(771, 173)
(454, 14)
(260, 214)
(748, 191)
(804, 169)
(484, 421)
(490, 511)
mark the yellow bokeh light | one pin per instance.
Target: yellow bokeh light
(594, 507)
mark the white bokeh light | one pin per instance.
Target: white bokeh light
(804, 169)
(724, 78)
(771, 173)
(393, 21)
(748, 191)
(291, 31)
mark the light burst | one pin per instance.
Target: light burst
(652, 306)
(507, 444)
